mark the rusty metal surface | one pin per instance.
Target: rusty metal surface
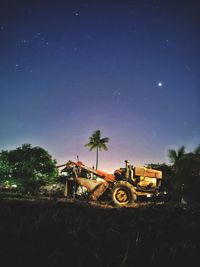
(88, 183)
(106, 176)
(99, 191)
(96, 188)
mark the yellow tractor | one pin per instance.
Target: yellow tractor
(133, 183)
(123, 187)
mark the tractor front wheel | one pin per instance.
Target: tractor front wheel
(123, 194)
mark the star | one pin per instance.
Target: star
(16, 65)
(160, 84)
(76, 14)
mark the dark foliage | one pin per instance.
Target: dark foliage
(188, 176)
(28, 167)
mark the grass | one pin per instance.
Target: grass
(57, 232)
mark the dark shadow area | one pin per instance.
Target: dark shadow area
(50, 232)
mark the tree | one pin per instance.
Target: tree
(95, 141)
(175, 156)
(188, 175)
(28, 164)
(186, 167)
(5, 168)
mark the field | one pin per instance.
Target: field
(57, 232)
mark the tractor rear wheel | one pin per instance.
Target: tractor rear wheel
(123, 194)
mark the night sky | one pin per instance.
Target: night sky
(128, 68)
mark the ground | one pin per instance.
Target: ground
(52, 231)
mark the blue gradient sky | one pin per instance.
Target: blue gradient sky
(68, 68)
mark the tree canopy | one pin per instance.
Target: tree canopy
(27, 162)
(188, 175)
(174, 155)
(186, 168)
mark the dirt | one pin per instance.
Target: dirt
(56, 231)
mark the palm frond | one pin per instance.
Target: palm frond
(172, 155)
(181, 151)
(96, 134)
(105, 140)
(91, 146)
(88, 144)
(103, 146)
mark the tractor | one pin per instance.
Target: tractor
(125, 186)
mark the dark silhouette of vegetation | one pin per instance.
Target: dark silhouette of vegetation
(174, 155)
(182, 177)
(95, 141)
(197, 150)
(26, 166)
(187, 173)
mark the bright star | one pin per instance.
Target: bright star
(160, 84)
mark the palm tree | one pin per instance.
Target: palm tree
(95, 141)
(174, 155)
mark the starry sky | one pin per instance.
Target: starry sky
(128, 68)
